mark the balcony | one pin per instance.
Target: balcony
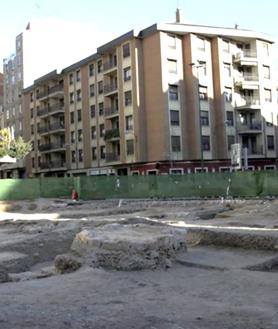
(52, 147)
(250, 128)
(58, 108)
(248, 103)
(108, 66)
(56, 126)
(112, 134)
(247, 81)
(254, 151)
(55, 91)
(111, 111)
(246, 58)
(112, 157)
(111, 88)
(49, 165)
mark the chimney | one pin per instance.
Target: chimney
(179, 16)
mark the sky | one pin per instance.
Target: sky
(108, 19)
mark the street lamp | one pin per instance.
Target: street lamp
(200, 64)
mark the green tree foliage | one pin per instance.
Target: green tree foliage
(16, 148)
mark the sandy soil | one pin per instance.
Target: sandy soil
(212, 286)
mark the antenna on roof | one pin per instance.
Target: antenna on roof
(179, 13)
(179, 16)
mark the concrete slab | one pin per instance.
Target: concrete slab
(222, 259)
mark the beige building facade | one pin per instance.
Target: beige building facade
(172, 99)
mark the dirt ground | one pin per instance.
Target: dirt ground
(227, 279)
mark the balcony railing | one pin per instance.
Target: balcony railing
(52, 164)
(253, 126)
(51, 146)
(246, 54)
(52, 127)
(112, 133)
(51, 109)
(43, 129)
(109, 65)
(255, 150)
(51, 90)
(248, 101)
(56, 126)
(111, 157)
(110, 88)
(111, 111)
(250, 77)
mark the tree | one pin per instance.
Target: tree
(16, 148)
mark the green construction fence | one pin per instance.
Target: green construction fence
(235, 184)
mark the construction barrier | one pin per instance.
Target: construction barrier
(235, 184)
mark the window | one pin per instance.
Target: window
(93, 111)
(71, 117)
(128, 123)
(172, 66)
(129, 147)
(73, 156)
(99, 67)
(175, 171)
(201, 44)
(173, 93)
(204, 118)
(266, 70)
(128, 98)
(268, 95)
(79, 115)
(33, 162)
(126, 50)
(203, 93)
(94, 153)
(202, 69)
(32, 113)
(72, 136)
(228, 94)
(227, 70)
(71, 98)
(270, 143)
(230, 118)
(78, 75)
(127, 73)
(226, 46)
(31, 97)
(80, 155)
(91, 70)
(102, 152)
(71, 79)
(205, 143)
(80, 135)
(100, 87)
(176, 143)
(231, 141)
(93, 132)
(174, 118)
(100, 109)
(92, 90)
(171, 41)
(101, 130)
(266, 49)
(78, 95)
(32, 129)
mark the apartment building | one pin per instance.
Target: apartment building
(171, 99)
(1, 101)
